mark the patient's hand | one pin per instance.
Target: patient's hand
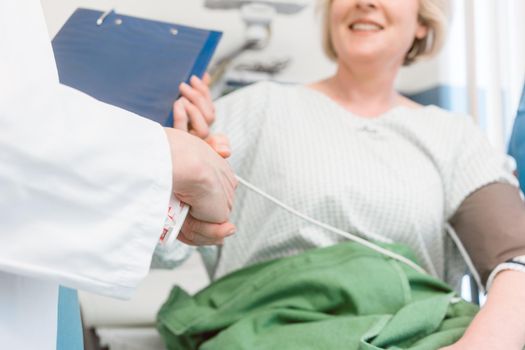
(196, 232)
(194, 111)
(220, 144)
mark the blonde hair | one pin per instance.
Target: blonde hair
(432, 13)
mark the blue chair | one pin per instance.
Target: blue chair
(517, 141)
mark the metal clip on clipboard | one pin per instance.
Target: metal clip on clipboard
(119, 21)
(101, 19)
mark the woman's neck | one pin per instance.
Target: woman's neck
(366, 90)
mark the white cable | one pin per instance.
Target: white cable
(466, 257)
(333, 229)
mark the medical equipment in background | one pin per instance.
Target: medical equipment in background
(257, 16)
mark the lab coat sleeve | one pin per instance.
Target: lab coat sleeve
(84, 186)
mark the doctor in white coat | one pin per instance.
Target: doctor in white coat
(84, 187)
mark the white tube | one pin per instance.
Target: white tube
(335, 230)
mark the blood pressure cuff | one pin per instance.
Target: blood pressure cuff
(491, 225)
(345, 296)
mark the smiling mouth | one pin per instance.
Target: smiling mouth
(365, 27)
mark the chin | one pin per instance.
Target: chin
(360, 57)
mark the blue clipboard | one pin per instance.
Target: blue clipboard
(133, 63)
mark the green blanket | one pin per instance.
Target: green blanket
(341, 297)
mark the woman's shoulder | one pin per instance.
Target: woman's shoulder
(458, 120)
(437, 128)
(434, 116)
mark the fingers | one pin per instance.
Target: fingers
(197, 122)
(199, 95)
(186, 114)
(220, 144)
(206, 79)
(194, 111)
(196, 232)
(201, 86)
(180, 117)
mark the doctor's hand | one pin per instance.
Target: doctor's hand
(201, 177)
(194, 110)
(196, 232)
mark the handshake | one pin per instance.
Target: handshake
(202, 177)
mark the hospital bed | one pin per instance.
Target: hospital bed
(129, 325)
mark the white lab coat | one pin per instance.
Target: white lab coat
(84, 187)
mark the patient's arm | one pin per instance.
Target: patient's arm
(193, 233)
(491, 225)
(171, 257)
(500, 325)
